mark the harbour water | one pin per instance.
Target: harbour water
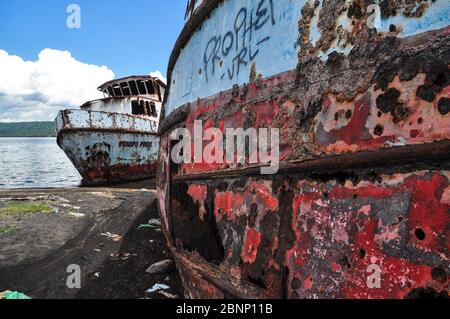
(35, 163)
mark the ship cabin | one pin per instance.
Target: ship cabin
(136, 95)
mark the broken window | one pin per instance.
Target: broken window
(141, 86)
(117, 91)
(137, 107)
(133, 87)
(150, 87)
(147, 108)
(134, 107)
(153, 110)
(159, 93)
(110, 91)
(142, 107)
(125, 88)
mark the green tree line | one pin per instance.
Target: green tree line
(27, 129)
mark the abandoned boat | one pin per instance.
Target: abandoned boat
(114, 139)
(360, 94)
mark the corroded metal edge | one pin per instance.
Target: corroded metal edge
(176, 117)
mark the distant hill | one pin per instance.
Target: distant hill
(27, 129)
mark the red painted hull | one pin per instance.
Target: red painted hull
(119, 173)
(360, 207)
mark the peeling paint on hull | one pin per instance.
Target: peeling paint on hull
(360, 207)
(107, 154)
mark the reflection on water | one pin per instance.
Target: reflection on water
(35, 163)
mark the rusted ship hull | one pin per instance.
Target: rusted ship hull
(360, 207)
(108, 148)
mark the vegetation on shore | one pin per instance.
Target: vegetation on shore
(26, 208)
(27, 129)
(8, 230)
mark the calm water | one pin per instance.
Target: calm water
(35, 163)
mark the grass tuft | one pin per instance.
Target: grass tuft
(8, 230)
(26, 208)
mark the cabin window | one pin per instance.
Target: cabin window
(141, 86)
(159, 93)
(125, 88)
(110, 91)
(134, 107)
(117, 91)
(137, 107)
(133, 88)
(153, 110)
(147, 108)
(150, 87)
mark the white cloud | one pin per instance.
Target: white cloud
(36, 90)
(159, 75)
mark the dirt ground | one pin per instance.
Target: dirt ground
(94, 228)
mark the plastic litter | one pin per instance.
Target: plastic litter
(114, 237)
(13, 295)
(152, 223)
(158, 287)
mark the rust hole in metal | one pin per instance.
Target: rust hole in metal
(389, 103)
(348, 114)
(444, 106)
(414, 133)
(379, 129)
(196, 233)
(420, 234)
(362, 253)
(436, 80)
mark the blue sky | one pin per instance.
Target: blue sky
(129, 37)
(46, 66)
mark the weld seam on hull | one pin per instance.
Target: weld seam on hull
(411, 154)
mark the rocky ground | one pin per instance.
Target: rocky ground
(113, 235)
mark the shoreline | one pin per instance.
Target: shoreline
(135, 185)
(96, 228)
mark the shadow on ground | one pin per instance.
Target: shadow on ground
(96, 229)
(124, 276)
